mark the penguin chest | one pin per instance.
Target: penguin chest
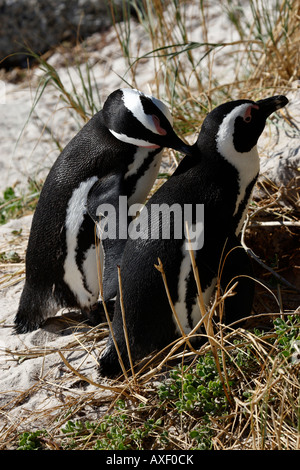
(80, 266)
(141, 174)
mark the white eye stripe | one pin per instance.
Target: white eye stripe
(134, 104)
(163, 108)
(226, 129)
(224, 138)
(246, 163)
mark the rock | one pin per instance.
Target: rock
(42, 24)
(281, 167)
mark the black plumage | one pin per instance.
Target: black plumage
(61, 264)
(220, 174)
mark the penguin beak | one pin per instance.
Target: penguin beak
(186, 149)
(181, 147)
(269, 105)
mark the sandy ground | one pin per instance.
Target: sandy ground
(33, 376)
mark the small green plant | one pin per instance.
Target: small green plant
(13, 205)
(117, 431)
(8, 205)
(288, 333)
(10, 257)
(199, 389)
(203, 437)
(31, 440)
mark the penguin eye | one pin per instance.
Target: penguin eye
(157, 125)
(248, 116)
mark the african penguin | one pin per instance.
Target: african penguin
(220, 175)
(118, 152)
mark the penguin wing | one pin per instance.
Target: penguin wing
(111, 217)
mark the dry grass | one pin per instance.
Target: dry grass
(262, 411)
(262, 390)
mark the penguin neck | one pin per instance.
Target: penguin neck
(246, 163)
(247, 166)
(217, 157)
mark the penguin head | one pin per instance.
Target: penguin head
(141, 120)
(235, 127)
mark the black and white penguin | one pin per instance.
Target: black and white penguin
(220, 175)
(118, 152)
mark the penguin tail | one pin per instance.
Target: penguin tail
(23, 324)
(32, 311)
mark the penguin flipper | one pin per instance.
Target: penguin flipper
(237, 268)
(103, 206)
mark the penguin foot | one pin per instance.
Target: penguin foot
(109, 365)
(96, 315)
